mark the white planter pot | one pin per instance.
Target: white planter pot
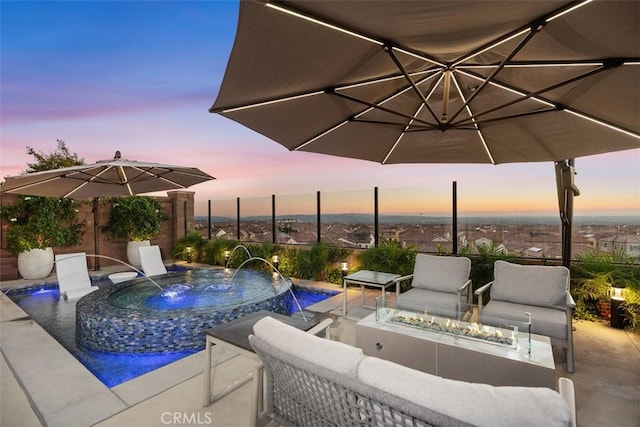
(132, 251)
(36, 263)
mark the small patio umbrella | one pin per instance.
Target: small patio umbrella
(438, 81)
(108, 178)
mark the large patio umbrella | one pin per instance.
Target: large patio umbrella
(439, 81)
(108, 178)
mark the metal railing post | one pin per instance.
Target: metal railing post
(238, 218)
(376, 225)
(209, 218)
(273, 218)
(318, 215)
(454, 219)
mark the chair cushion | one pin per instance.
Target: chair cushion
(549, 322)
(333, 355)
(544, 286)
(440, 273)
(477, 404)
(421, 300)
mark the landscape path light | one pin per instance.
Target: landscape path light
(344, 266)
(617, 306)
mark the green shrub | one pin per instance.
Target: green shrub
(41, 222)
(388, 257)
(190, 248)
(592, 275)
(135, 218)
(317, 262)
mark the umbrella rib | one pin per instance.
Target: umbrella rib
(22, 187)
(603, 67)
(535, 29)
(551, 63)
(381, 108)
(234, 108)
(371, 107)
(534, 95)
(475, 125)
(505, 38)
(415, 88)
(601, 122)
(397, 142)
(85, 182)
(320, 20)
(123, 178)
(147, 175)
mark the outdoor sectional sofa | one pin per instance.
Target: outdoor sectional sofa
(311, 381)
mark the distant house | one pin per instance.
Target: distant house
(362, 244)
(627, 244)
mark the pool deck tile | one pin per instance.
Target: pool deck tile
(64, 392)
(45, 385)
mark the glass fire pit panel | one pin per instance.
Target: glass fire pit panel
(513, 330)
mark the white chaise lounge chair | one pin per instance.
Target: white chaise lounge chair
(151, 261)
(73, 275)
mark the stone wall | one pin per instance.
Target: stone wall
(177, 206)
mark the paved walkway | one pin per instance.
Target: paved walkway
(41, 384)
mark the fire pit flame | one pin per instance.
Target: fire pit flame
(469, 330)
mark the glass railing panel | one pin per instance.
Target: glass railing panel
(224, 222)
(417, 216)
(256, 220)
(297, 219)
(347, 219)
(509, 219)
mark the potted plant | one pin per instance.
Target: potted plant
(136, 218)
(36, 224)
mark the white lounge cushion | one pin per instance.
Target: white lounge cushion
(73, 275)
(541, 285)
(151, 260)
(478, 404)
(440, 273)
(333, 355)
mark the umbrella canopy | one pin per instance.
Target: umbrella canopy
(438, 81)
(105, 179)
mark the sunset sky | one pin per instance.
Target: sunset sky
(139, 77)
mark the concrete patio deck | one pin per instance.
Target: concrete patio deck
(43, 385)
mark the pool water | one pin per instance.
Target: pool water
(57, 316)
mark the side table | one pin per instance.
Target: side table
(367, 278)
(236, 334)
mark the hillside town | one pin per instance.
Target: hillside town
(533, 240)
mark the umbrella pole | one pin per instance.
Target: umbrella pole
(96, 243)
(565, 172)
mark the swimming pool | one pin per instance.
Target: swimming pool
(170, 313)
(58, 318)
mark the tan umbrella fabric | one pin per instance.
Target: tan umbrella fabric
(111, 178)
(105, 179)
(438, 81)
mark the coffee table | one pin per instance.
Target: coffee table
(236, 334)
(366, 278)
(460, 358)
